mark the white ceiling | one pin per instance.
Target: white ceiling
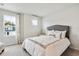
(40, 9)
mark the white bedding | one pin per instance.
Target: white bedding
(45, 45)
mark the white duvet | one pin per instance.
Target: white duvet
(45, 45)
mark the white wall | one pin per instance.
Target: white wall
(69, 17)
(27, 29)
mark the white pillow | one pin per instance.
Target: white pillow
(50, 32)
(57, 34)
(63, 33)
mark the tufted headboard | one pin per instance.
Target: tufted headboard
(60, 28)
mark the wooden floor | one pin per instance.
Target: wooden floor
(71, 52)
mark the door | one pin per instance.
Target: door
(9, 29)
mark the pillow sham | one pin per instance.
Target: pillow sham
(63, 34)
(57, 34)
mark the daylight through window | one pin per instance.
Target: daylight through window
(9, 25)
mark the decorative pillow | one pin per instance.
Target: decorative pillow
(57, 34)
(50, 32)
(63, 34)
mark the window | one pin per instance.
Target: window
(35, 22)
(9, 25)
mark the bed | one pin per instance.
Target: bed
(46, 45)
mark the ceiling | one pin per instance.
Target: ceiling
(40, 9)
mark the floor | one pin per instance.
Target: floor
(16, 50)
(71, 52)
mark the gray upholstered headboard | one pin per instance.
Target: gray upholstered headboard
(60, 28)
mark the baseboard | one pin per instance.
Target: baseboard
(10, 45)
